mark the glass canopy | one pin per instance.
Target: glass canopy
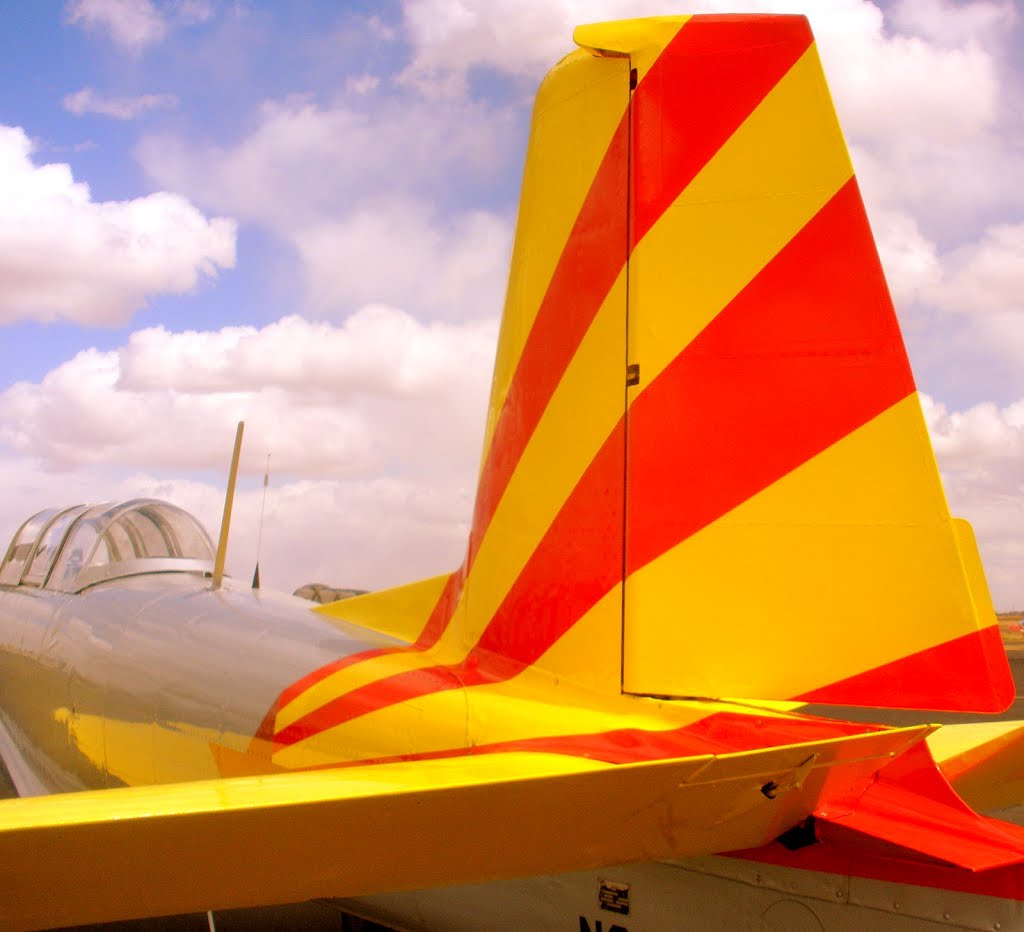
(73, 548)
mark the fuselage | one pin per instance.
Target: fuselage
(149, 679)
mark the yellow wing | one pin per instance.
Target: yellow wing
(143, 851)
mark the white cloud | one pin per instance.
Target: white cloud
(399, 252)
(131, 24)
(66, 256)
(304, 161)
(120, 108)
(951, 23)
(380, 395)
(981, 454)
(881, 81)
(135, 24)
(362, 84)
(984, 276)
(987, 275)
(910, 259)
(358, 196)
(928, 110)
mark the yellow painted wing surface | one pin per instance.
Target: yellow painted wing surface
(143, 851)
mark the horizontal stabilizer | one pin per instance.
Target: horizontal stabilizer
(138, 851)
(984, 762)
(912, 807)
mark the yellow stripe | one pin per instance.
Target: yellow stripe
(531, 705)
(589, 653)
(771, 177)
(643, 40)
(584, 409)
(849, 560)
(361, 674)
(400, 612)
(579, 106)
(428, 723)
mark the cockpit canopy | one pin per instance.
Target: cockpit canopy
(71, 549)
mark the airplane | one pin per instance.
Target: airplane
(707, 505)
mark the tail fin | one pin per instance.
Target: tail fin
(706, 470)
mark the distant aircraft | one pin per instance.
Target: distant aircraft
(707, 498)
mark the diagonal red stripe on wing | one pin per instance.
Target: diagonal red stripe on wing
(806, 353)
(922, 680)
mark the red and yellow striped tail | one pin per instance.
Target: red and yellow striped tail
(706, 471)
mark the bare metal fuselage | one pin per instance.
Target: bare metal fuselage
(149, 679)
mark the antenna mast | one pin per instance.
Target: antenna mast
(259, 533)
(229, 499)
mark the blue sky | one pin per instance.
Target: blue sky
(301, 215)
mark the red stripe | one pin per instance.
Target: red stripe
(578, 560)
(910, 806)
(719, 733)
(711, 76)
(591, 261)
(923, 681)
(435, 626)
(809, 351)
(831, 855)
(706, 82)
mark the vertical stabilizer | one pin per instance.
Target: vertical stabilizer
(706, 470)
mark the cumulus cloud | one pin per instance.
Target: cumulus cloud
(927, 109)
(984, 276)
(400, 252)
(981, 455)
(305, 161)
(987, 275)
(950, 23)
(359, 195)
(131, 24)
(382, 394)
(135, 24)
(88, 100)
(65, 256)
(362, 83)
(880, 80)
